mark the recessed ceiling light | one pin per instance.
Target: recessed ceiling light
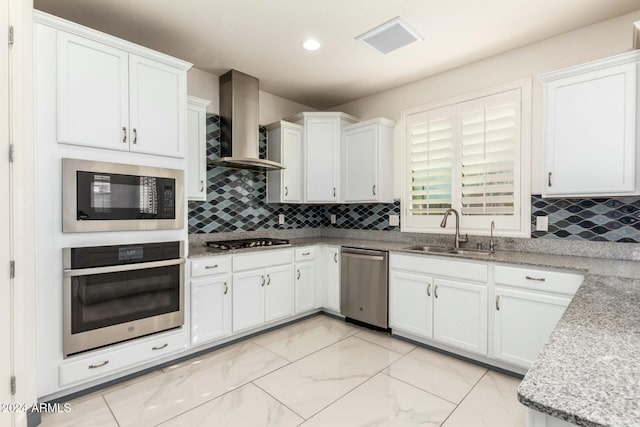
(311, 44)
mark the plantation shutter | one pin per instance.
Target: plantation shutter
(431, 153)
(489, 141)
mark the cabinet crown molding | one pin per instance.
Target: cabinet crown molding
(89, 33)
(317, 114)
(623, 58)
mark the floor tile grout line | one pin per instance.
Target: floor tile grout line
(104, 399)
(465, 396)
(419, 388)
(279, 401)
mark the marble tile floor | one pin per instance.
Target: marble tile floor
(318, 372)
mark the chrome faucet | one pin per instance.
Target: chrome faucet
(492, 244)
(459, 238)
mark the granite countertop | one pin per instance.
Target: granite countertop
(589, 371)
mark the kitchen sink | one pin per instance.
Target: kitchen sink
(451, 251)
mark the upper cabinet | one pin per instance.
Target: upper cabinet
(322, 132)
(116, 95)
(367, 159)
(590, 129)
(285, 145)
(197, 148)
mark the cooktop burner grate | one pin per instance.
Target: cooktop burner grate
(227, 245)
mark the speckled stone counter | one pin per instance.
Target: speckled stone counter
(589, 372)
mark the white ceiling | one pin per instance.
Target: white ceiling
(263, 37)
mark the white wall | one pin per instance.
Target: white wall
(586, 44)
(272, 108)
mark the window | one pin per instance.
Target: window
(469, 154)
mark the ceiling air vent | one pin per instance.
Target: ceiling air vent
(390, 36)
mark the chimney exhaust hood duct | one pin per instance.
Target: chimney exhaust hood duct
(239, 125)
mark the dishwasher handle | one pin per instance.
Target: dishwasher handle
(364, 254)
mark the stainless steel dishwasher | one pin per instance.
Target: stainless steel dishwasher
(364, 286)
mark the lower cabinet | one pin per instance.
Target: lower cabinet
(410, 303)
(261, 296)
(538, 419)
(305, 277)
(210, 309)
(460, 315)
(332, 278)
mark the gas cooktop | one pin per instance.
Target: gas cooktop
(227, 245)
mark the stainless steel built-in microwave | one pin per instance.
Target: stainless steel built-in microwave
(100, 196)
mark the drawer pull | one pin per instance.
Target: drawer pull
(124, 134)
(201, 186)
(306, 253)
(286, 190)
(135, 135)
(298, 274)
(211, 266)
(268, 279)
(335, 257)
(535, 279)
(435, 291)
(226, 288)
(165, 345)
(105, 363)
(429, 290)
(374, 190)
(498, 302)
(263, 281)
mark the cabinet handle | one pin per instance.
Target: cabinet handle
(286, 190)
(298, 274)
(335, 257)
(263, 281)
(165, 345)
(201, 185)
(374, 190)
(226, 288)
(124, 134)
(268, 279)
(135, 135)
(334, 191)
(435, 291)
(106, 362)
(498, 302)
(211, 266)
(536, 279)
(306, 253)
(429, 290)
(549, 179)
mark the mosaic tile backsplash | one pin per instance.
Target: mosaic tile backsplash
(599, 219)
(236, 201)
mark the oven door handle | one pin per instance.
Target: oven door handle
(118, 268)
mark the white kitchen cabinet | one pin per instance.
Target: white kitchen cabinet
(262, 288)
(538, 419)
(411, 303)
(367, 160)
(197, 148)
(93, 93)
(116, 95)
(278, 293)
(322, 134)
(332, 278)
(527, 305)
(590, 118)
(285, 145)
(305, 286)
(210, 308)
(460, 315)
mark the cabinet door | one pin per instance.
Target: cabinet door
(196, 152)
(158, 103)
(210, 309)
(278, 292)
(292, 158)
(93, 93)
(322, 162)
(332, 281)
(360, 164)
(460, 315)
(590, 121)
(248, 299)
(305, 286)
(522, 324)
(410, 303)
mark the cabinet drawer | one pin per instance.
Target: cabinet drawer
(541, 280)
(263, 259)
(306, 253)
(210, 265)
(440, 266)
(113, 361)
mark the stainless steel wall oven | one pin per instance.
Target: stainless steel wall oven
(116, 293)
(100, 196)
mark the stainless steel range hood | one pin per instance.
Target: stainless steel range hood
(239, 137)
